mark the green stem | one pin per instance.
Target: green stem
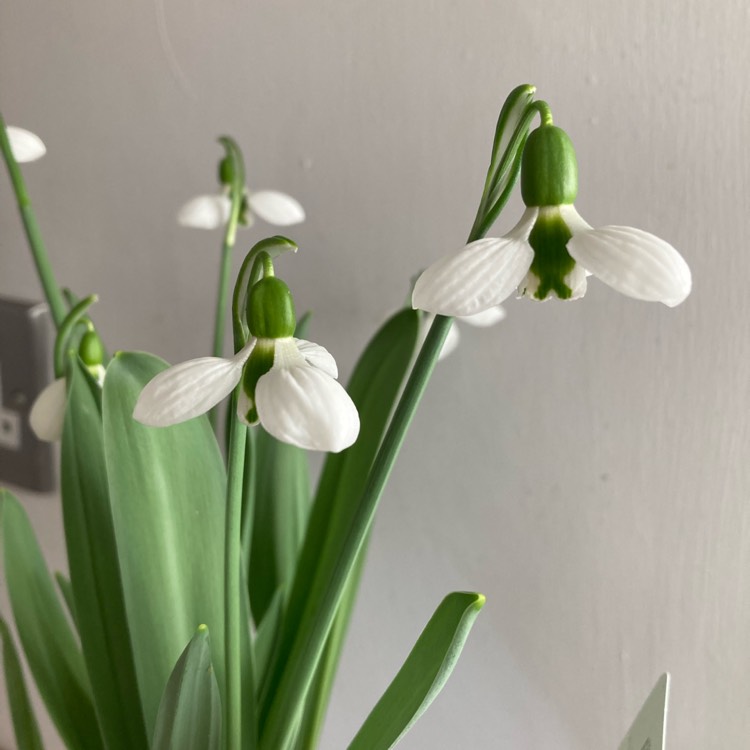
(65, 331)
(225, 274)
(315, 624)
(33, 235)
(232, 591)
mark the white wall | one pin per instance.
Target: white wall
(584, 465)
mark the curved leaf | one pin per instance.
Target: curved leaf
(423, 674)
(98, 601)
(190, 711)
(51, 650)
(167, 488)
(25, 726)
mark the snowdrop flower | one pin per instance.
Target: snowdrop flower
(288, 385)
(212, 211)
(25, 145)
(552, 250)
(47, 414)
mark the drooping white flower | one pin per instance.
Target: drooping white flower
(212, 211)
(25, 145)
(486, 272)
(298, 400)
(47, 415)
(48, 412)
(552, 249)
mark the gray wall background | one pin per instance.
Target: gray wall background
(584, 465)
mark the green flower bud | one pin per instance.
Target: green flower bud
(270, 309)
(226, 171)
(549, 170)
(90, 349)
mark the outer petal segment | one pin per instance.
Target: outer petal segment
(189, 389)
(48, 412)
(633, 262)
(205, 212)
(478, 277)
(276, 208)
(317, 356)
(303, 406)
(25, 145)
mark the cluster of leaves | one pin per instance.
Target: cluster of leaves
(138, 659)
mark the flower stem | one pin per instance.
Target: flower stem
(316, 621)
(232, 590)
(225, 273)
(33, 235)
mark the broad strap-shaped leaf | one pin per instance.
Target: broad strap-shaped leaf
(374, 386)
(267, 639)
(51, 650)
(99, 603)
(66, 591)
(282, 500)
(190, 711)
(423, 674)
(167, 489)
(25, 726)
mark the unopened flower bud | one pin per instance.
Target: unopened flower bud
(549, 170)
(270, 309)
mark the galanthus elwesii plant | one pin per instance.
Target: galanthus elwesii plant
(210, 587)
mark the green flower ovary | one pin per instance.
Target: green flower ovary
(90, 349)
(552, 262)
(270, 309)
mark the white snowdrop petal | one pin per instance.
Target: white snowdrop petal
(189, 389)
(276, 208)
(573, 219)
(48, 412)
(633, 262)
(486, 318)
(25, 145)
(205, 212)
(480, 276)
(303, 406)
(451, 342)
(317, 356)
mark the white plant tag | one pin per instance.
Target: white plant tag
(649, 730)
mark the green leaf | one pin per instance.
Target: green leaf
(167, 489)
(282, 499)
(423, 674)
(52, 653)
(25, 726)
(99, 603)
(66, 591)
(267, 638)
(190, 711)
(374, 386)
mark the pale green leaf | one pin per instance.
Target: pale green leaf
(167, 489)
(25, 726)
(423, 674)
(51, 650)
(190, 711)
(98, 599)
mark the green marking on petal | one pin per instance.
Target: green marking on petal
(552, 261)
(257, 365)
